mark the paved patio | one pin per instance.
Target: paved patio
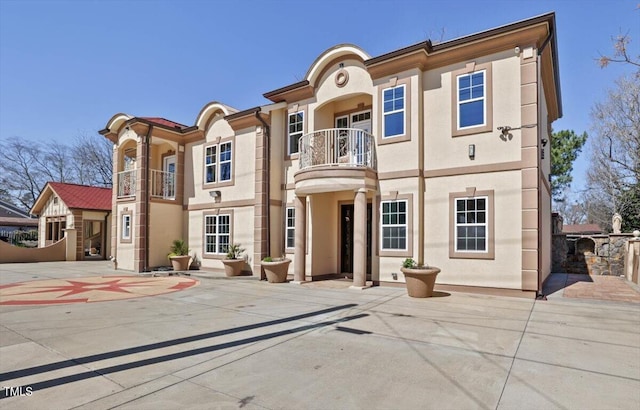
(240, 343)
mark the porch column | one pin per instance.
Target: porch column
(360, 239)
(300, 239)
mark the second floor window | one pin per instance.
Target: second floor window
(393, 111)
(471, 100)
(217, 164)
(295, 130)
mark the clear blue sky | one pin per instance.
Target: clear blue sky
(67, 66)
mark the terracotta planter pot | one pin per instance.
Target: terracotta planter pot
(420, 281)
(180, 262)
(233, 267)
(276, 271)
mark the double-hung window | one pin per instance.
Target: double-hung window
(394, 225)
(218, 163)
(295, 130)
(393, 111)
(471, 233)
(290, 227)
(472, 100)
(217, 233)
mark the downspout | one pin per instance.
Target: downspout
(539, 294)
(267, 135)
(104, 236)
(147, 198)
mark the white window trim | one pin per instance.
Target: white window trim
(405, 225)
(298, 133)
(126, 227)
(217, 163)
(485, 224)
(289, 228)
(483, 98)
(403, 110)
(216, 235)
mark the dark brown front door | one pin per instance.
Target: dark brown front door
(346, 239)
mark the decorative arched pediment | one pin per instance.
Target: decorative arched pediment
(332, 55)
(117, 121)
(209, 111)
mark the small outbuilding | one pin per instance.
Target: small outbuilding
(83, 210)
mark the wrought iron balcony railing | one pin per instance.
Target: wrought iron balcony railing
(127, 184)
(163, 184)
(339, 147)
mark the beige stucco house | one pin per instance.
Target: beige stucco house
(436, 152)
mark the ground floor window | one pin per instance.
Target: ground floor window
(217, 233)
(472, 225)
(125, 228)
(290, 227)
(394, 225)
(55, 227)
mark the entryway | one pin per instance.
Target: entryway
(346, 240)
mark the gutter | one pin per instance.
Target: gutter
(267, 134)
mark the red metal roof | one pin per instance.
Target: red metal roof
(164, 121)
(582, 228)
(83, 196)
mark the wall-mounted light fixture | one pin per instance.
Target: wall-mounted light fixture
(544, 142)
(216, 195)
(472, 151)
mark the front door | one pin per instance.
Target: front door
(169, 177)
(346, 239)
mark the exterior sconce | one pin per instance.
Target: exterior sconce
(472, 151)
(216, 195)
(544, 142)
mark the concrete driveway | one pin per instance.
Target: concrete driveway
(240, 343)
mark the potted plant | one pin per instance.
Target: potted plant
(276, 269)
(420, 279)
(234, 262)
(179, 255)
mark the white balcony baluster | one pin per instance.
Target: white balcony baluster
(337, 146)
(127, 183)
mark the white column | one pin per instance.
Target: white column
(300, 239)
(360, 239)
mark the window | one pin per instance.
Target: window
(295, 130)
(394, 225)
(471, 99)
(393, 111)
(471, 224)
(290, 227)
(217, 234)
(55, 227)
(218, 163)
(126, 227)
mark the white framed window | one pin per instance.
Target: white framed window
(471, 99)
(290, 227)
(393, 111)
(126, 227)
(294, 130)
(218, 163)
(217, 233)
(471, 224)
(394, 225)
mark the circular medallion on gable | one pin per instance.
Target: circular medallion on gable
(342, 77)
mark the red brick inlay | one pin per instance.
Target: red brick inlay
(91, 289)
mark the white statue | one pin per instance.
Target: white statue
(616, 222)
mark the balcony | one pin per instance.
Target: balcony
(127, 184)
(163, 184)
(341, 147)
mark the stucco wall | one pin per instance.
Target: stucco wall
(125, 255)
(14, 254)
(502, 272)
(165, 225)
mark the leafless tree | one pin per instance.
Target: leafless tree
(26, 166)
(573, 212)
(620, 52)
(614, 174)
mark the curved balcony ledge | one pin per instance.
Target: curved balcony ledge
(339, 147)
(331, 178)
